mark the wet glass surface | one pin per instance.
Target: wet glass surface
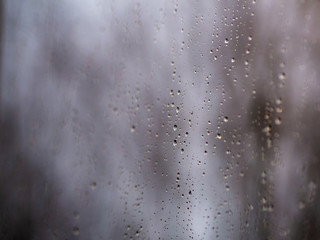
(160, 120)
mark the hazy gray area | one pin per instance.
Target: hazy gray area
(160, 119)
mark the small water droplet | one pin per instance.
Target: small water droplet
(93, 185)
(282, 76)
(175, 143)
(76, 231)
(278, 121)
(278, 101)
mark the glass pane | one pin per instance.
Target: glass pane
(160, 119)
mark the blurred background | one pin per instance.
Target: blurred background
(159, 119)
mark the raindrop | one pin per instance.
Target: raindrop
(278, 121)
(282, 76)
(278, 101)
(76, 231)
(175, 142)
(93, 185)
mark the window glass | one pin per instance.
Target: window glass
(160, 119)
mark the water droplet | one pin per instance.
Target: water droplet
(93, 185)
(226, 119)
(264, 200)
(76, 231)
(218, 136)
(278, 121)
(133, 129)
(267, 130)
(278, 101)
(175, 143)
(282, 76)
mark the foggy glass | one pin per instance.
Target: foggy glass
(159, 119)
